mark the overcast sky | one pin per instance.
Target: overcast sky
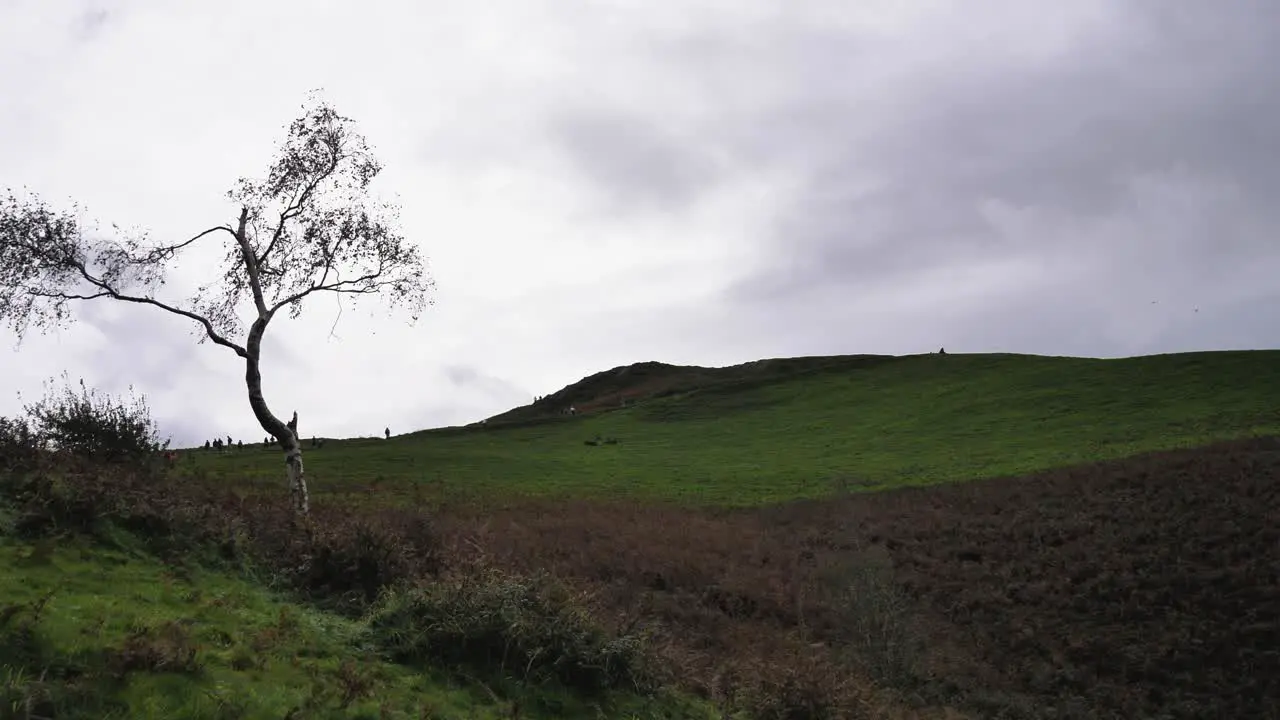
(702, 182)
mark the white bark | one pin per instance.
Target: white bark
(297, 480)
(285, 434)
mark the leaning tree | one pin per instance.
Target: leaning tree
(310, 226)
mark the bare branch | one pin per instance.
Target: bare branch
(168, 251)
(333, 328)
(208, 326)
(108, 291)
(296, 207)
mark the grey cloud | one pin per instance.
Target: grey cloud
(145, 352)
(90, 23)
(1161, 92)
(633, 161)
(1154, 140)
(461, 374)
(472, 378)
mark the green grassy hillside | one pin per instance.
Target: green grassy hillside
(912, 420)
(103, 630)
(160, 644)
(621, 386)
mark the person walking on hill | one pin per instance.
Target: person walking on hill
(387, 432)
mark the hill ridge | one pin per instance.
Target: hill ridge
(627, 384)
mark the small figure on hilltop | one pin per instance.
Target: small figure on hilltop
(387, 433)
(207, 446)
(942, 351)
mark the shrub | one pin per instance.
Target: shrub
(876, 626)
(121, 505)
(168, 647)
(19, 452)
(336, 559)
(89, 425)
(530, 627)
(790, 693)
(19, 444)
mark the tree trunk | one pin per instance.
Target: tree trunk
(286, 435)
(297, 481)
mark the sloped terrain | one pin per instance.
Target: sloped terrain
(628, 384)
(1135, 588)
(1145, 587)
(887, 423)
(1123, 563)
(127, 594)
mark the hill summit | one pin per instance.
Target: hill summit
(628, 384)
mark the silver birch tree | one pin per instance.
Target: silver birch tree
(310, 226)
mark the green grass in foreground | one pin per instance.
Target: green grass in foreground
(104, 633)
(918, 420)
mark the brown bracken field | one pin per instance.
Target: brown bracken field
(1147, 587)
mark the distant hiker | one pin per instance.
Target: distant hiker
(206, 445)
(239, 444)
(229, 443)
(942, 351)
(387, 432)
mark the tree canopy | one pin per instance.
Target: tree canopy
(309, 226)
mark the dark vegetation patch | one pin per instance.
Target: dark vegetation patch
(1148, 587)
(1139, 588)
(531, 627)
